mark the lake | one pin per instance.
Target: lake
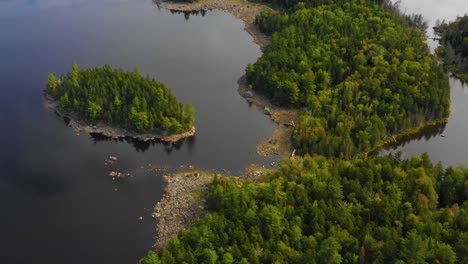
(450, 144)
(59, 204)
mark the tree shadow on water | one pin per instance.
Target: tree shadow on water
(187, 14)
(426, 135)
(142, 146)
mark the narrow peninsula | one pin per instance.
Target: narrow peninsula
(453, 49)
(118, 103)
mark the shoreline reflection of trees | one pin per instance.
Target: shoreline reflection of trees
(143, 146)
(187, 14)
(426, 134)
(139, 145)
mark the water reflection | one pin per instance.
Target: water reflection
(141, 145)
(138, 145)
(187, 14)
(426, 135)
(463, 83)
(446, 143)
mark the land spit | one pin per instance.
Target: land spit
(279, 143)
(183, 200)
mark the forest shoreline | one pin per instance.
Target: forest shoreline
(279, 142)
(106, 130)
(456, 73)
(407, 135)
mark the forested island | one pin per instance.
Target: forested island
(122, 99)
(362, 71)
(453, 40)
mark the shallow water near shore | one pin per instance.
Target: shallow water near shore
(58, 203)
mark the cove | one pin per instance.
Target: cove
(59, 204)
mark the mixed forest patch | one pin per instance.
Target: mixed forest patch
(314, 210)
(362, 72)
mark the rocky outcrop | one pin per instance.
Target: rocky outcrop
(184, 200)
(181, 204)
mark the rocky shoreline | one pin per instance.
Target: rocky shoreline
(183, 200)
(181, 204)
(112, 132)
(279, 143)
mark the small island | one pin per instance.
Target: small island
(453, 49)
(119, 103)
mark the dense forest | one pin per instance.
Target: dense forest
(453, 40)
(361, 70)
(314, 210)
(120, 98)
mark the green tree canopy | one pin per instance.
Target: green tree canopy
(314, 210)
(121, 98)
(360, 70)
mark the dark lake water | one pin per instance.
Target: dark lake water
(58, 204)
(450, 144)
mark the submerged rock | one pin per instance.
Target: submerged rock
(247, 94)
(115, 174)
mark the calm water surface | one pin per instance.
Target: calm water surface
(58, 204)
(450, 145)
